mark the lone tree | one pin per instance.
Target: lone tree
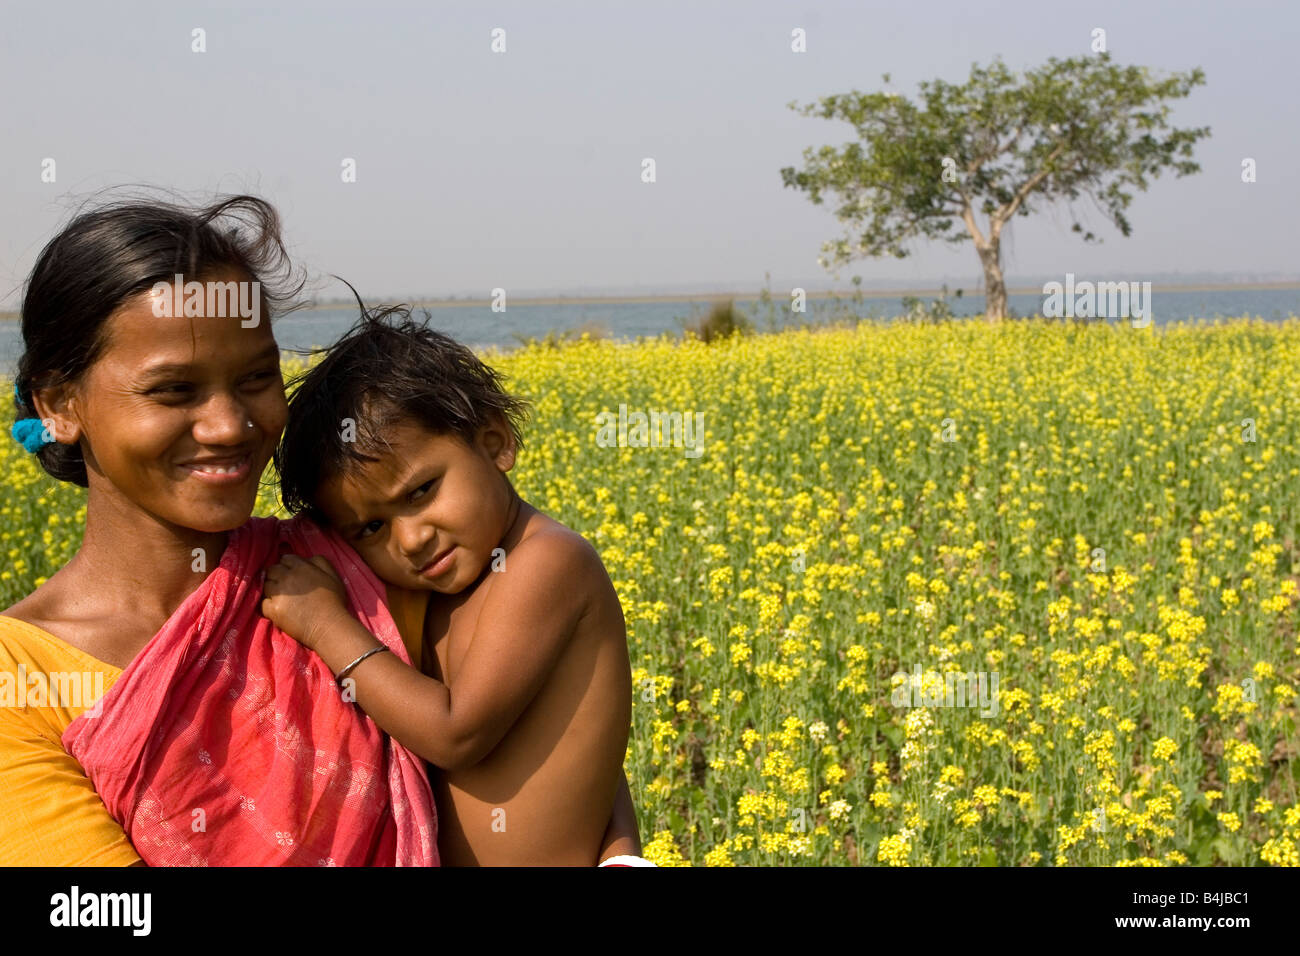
(999, 144)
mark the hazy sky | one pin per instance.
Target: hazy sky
(522, 170)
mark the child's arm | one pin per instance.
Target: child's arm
(621, 836)
(526, 622)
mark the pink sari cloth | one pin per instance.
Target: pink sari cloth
(227, 743)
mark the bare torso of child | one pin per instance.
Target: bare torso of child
(544, 794)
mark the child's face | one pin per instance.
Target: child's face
(428, 514)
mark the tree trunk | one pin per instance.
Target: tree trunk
(995, 290)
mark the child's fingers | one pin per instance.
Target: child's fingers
(288, 564)
(275, 576)
(323, 563)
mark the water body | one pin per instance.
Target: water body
(480, 327)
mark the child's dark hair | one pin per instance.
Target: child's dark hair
(115, 251)
(386, 368)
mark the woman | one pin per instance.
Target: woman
(217, 741)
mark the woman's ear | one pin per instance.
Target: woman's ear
(58, 408)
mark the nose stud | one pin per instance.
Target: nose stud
(250, 424)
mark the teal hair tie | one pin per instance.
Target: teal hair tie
(29, 432)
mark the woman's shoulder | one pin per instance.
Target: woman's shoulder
(27, 637)
(40, 609)
(24, 642)
(22, 621)
(50, 814)
(45, 684)
(30, 619)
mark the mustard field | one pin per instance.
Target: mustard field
(859, 534)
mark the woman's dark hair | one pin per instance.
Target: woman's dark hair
(120, 249)
(387, 368)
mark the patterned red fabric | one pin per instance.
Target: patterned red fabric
(227, 743)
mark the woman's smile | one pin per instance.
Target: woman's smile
(225, 470)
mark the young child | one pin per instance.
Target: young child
(400, 440)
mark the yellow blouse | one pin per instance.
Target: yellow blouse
(408, 609)
(50, 815)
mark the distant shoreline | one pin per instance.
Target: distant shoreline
(724, 296)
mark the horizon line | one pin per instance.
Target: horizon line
(635, 298)
(646, 298)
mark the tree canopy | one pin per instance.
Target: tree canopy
(999, 145)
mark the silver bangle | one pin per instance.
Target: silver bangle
(348, 670)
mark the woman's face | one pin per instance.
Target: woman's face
(180, 415)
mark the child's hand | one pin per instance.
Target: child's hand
(303, 596)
